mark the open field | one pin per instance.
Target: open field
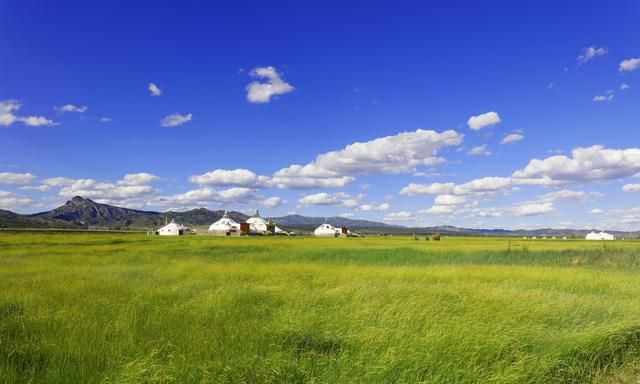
(116, 308)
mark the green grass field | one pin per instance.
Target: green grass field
(116, 308)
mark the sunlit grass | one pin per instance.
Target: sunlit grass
(133, 309)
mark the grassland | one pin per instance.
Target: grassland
(115, 308)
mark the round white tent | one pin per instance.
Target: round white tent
(326, 230)
(173, 229)
(258, 225)
(225, 225)
(599, 236)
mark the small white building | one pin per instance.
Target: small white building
(326, 230)
(258, 225)
(599, 236)
(173, 229)
(226, 226)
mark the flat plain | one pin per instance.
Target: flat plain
(123, 308)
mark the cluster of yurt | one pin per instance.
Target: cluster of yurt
(599, 236)
(173, 229)
(255, 225)
(328, 230)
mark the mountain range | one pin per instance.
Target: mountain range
(81, 213)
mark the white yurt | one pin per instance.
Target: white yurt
(224, 226)
(326, 230)
(599, 236)
(173, 229)
(258, 225)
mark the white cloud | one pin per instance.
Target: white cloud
(39, 188)
(594, 163)
(8, 116)
(235, 177)
(373, 207)
(133, 190)
(15, 178)
(347, 215)
(272, 202)
(401, 216)
(58, 181)
(427, 189)
(324, 198)
(36, 121)
(439, 210)
(624, 86)
(530, 208)
(629, 65)
(203, 196)
(631, 188)
(590, 53)
(11, 201)
(450, 200)
(601, 98)
(142, 178)
(484, 120)
(479, 150)
(564, 194)
(106, 119)
(154, 90)
(512, 138)
(258, 92)
(175, 119)
(71, 108)
(596, 211)
(400, 153)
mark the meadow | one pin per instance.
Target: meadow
(117, 308)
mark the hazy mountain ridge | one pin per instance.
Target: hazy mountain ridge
(80, 213)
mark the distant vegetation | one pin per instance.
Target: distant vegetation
(114, 308)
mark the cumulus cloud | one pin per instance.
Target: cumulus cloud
(235, 177)
(590, 53)
(593, 163)
(142, 178)
(402, 216)
(439, 210)
(206, 195)
(565, 194)
(262, 92)
(175, 119)
(71, 108)
(596, 211)
(154, 90)
(629, 65)
(484, 120)
(58, 181)
(624, 86)
(400, 153)
(273, 202)
(512, 138)
(600, 98)
(106, 119)
(479, 150)
(15, 178)
(8, 116)
(450, 200)
(373, 207)
(631, 188)
(324, 198)
(11, 201)
(531, 208)
(133, 190)
(486, 186)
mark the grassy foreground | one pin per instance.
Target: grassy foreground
(114, 308)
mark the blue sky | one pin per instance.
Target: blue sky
(262, 105)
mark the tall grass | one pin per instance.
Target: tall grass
(136, 309)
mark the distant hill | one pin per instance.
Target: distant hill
(80, 213)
